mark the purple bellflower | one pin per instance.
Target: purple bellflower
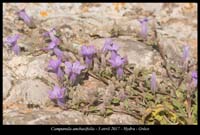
(117, 62)
(73, 69)
(143, 31)
(194, 78)
(110, 46)
(57, 94)
(54, 43)
(58, 52)
(153, 82)
(185, 53)
(55, 67)
(23, 15)
(51, 34)
(12, 42)
(88, 53)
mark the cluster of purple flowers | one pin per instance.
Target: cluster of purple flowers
(116, 61)
(71, 69)
(88, 52)
(53, 45)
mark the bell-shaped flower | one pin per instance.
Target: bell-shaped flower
(185, 53)
(54, 40)
(12, 42)
(58, 52)
(54, 43)
(54, 65)
(73, 69)
(143, 31)
(88, 53)
(57, 94)
(117, 62)
(194, 78)
(51, 34)
(23, 15)
(110, 46)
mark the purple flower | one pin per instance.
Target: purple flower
(23, 15)
(58, 94)
(53, 44)
(51, 34)
(110, 46)
(88, 52)
(16, 49)
(185, 53)
(73, 69)
(48, 33)
(117, 62)
(58, 52)
(12, 42)
(194, 78)
(55, 67)
(153, 82)
(143, 23)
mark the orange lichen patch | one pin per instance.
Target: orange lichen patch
(91, 84)
(84, 9)
(44, 13)
(26, 111)
(118, 6)
(13, 106)
(53, 109)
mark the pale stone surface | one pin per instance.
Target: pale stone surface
(6, 86)
(69, 117)
(30, 92)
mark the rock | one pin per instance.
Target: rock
(87, 91)
(70, 117)
(30, 92)
(16, 61)
(121, 119)
(6, 86)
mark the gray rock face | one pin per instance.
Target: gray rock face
(69, 117)
(6, 86)
(30, 92)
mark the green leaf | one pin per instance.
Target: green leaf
(126, 104)
(109, 111)
(93, 108)
(115, 101)
(149, 96)
(179, 94)
(168, 105)
(176, 103)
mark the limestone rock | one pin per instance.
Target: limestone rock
(30, 92)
